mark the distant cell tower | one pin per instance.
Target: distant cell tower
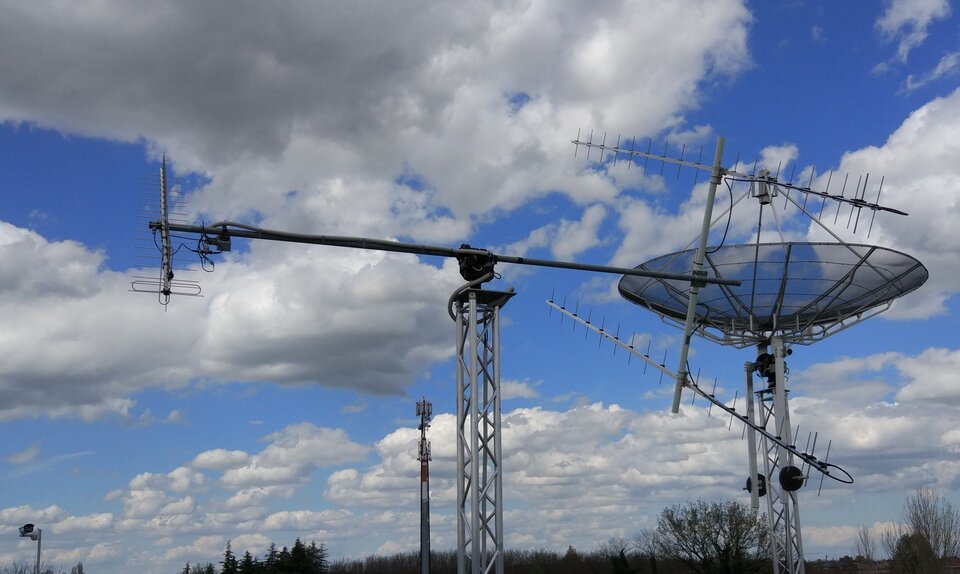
(424, 411)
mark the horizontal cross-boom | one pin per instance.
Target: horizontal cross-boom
(227, 229)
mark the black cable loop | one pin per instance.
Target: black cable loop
(469, 285)
(729, 217)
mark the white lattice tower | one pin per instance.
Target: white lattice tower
(783, 512)
(479, 454)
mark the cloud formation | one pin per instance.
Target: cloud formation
(906, 22)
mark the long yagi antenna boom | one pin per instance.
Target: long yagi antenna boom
(166, 252)
(698, 271)
(732, 175)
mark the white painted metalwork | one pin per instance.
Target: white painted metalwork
(480, 544)
(783, 512)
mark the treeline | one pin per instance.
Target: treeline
(707, 538)
(606, 560)
(703, 537)
(516, 561)
(21, 567)
(300, 559)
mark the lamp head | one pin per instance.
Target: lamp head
(30, 531)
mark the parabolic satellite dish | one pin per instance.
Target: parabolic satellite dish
(800, 291)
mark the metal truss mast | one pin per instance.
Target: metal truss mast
(479, 446)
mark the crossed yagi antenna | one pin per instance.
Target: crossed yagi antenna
(762, 180)
(165, 208)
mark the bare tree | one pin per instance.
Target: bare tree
(927, 537)
(890, 536)
(644, 542)
(866, 546)
(613, 546)
(931, 516)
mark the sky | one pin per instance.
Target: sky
(281, 403)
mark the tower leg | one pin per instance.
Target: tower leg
(752, 442)
(479, 476)
(783, 515)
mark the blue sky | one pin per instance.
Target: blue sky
(281, 404)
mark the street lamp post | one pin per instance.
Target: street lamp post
(33, 533)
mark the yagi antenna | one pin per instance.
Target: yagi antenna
(858, 202)
(828, 469)
(166, 284)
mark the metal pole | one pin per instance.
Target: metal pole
(474, 442)
(462, 455)
(699, 274)
(791, 513)
(752, 441)
(36, 568)
(228, 229)
(782, 512)
(497, 443)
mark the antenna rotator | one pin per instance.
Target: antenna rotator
(477, 264)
